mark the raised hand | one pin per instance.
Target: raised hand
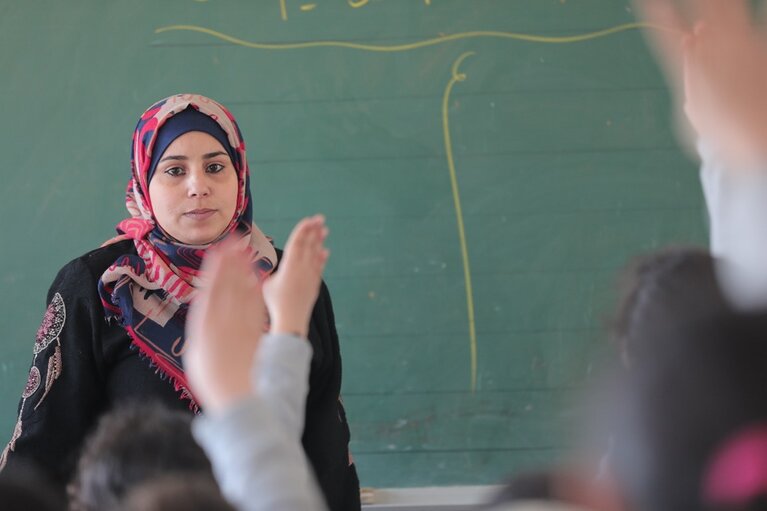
(716, 61)
(223, 329)
(291, 292)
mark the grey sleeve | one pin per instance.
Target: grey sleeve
(254, 446)
(737, 208)
(282, 377)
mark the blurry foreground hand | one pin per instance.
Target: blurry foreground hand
(291, 292)
(716, 62)
(228, 316)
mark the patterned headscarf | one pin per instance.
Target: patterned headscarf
(149, 293)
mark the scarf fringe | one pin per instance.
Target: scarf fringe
(150, 356)
(184, 393)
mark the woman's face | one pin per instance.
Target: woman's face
(194, 189)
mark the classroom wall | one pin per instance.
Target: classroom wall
(494, 159)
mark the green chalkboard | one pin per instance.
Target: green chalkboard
(485, 167)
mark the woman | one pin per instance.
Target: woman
(114, 328)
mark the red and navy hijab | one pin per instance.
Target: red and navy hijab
(149, 292)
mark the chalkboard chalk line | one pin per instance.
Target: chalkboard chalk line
(456, 77)
(479, 34)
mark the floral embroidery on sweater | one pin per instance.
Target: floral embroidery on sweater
(49, 331)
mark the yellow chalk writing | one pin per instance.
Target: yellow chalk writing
(455, 78)
(408, 46)
(311, 6)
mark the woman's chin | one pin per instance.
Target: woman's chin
(193, 238)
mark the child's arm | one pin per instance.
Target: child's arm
(252, 432)
(716, 62)
(290, 295)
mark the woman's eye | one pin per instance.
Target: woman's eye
(215, 168)
(174, 171)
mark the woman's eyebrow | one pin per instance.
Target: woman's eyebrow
(205, 156)
(173, 157)
(208, 156)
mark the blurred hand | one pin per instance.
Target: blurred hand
(716, 62)
(290, 293)
(227, 317)
(223, 329)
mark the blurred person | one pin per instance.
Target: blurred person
(673, 284)
(715, 59)
(132, 445)
(690, 422)
(175, 493)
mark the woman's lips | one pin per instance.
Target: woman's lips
(200, 214)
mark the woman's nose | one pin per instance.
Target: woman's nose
(197, 184)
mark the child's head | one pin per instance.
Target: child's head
(681, 415)
(131, 445)
(673, 285)
(176, 493)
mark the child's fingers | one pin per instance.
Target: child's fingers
(324, 233)
(667, 26)
(322, 259)
(298, 238)
(211, 268)
(297, 233)
(315, 240)
(304, 236)
(303, 226)
(733, 13)
(317, 247)
(692, 81)
(228, 277)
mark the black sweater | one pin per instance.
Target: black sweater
(84, 366)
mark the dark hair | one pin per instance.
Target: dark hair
(175, 493)
(672, 285)
(703, 383)
(25, 489)
(133, 444)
